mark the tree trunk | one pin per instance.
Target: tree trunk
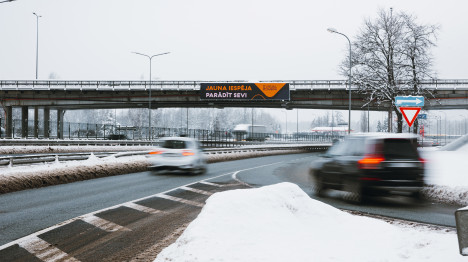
(399, 120)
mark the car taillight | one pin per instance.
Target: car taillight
(155, 152)
(371, 162)
(188, 153)
(422, 161)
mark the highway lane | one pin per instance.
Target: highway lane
(26, 212)
(395, 206)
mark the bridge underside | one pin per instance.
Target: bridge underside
(310, 99)
(74, 99)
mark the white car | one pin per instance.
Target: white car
(178, 154)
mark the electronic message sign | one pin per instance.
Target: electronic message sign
(244, 91)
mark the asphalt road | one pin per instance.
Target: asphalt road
(26, 212)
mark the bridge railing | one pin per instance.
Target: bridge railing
(110, 85)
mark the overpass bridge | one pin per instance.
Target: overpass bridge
(311, 94)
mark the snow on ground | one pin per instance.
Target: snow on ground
(282, 223)
(447, 175)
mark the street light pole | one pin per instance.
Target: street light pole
(149, 96)
(332, 30)
(37, 42)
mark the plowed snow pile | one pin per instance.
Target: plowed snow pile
(282, 223)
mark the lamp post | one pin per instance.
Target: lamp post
(332, 30)
(149, 97)
(37, 42)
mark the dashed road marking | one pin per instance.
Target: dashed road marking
(103, 224)
(203, 192)
(177, 199)
(141, 208)
(45, 251)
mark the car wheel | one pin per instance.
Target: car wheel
(319, 186)
(353, 191)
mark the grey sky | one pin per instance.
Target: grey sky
(208, 39)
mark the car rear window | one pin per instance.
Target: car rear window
(174, 144)
(400, 148)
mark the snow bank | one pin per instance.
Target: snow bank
(281, 223)
(447, 176)
(20, 178)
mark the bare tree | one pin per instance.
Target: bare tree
(390, 57)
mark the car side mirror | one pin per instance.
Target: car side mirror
(461, 219)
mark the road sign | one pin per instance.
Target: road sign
(422, 116)
(410, 114)
(409, 101)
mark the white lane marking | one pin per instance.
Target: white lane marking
(142, 208)
(210, 184)
(203, 192)
(45, 251)
(177, 199)
(103, 224)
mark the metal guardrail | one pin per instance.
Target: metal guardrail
(221, 142)
(11, 160)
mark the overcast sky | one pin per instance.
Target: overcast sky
(208, 39)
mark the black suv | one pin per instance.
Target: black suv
(370, 164)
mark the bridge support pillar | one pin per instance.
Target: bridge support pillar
(46, 122)
(60, 113)
(36, 122)
(24, 122)
(9, 122)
